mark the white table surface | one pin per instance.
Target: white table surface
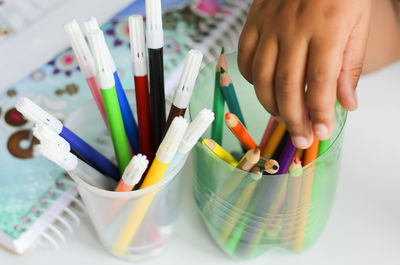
(364, 227)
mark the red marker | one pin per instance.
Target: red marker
(139, 65)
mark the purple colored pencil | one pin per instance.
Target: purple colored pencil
(286, 156)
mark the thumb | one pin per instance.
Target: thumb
(353, 58)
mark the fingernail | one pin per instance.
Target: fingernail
(321, 131)
(300, 142)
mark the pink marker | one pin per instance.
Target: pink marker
(86, 62)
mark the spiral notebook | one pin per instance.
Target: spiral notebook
(35, 195)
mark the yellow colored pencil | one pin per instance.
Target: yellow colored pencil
(220, 152)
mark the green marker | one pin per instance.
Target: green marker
(110, 99)
(218, 106)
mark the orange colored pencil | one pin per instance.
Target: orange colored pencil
(305, 196)
(273, 141)
(237, 128)
(311, 153)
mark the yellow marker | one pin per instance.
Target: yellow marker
(164, 156)
(220, 152)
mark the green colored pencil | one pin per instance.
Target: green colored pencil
(219, 104)
(228, 91)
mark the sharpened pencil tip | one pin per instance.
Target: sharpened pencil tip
(222, 70)
(222, 50)
(228, 116)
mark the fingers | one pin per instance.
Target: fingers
(289, 90)
(323, 70)
(263, 70)
(246, 48)
(353, 58)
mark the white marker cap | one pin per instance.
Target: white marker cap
(196, 128)
(138, 46)
(154, 28)
(172, 139)
(81, 49)
(101, 57)
(135, 169)
(189, 75)
(90, 25)
(62, 158)
(36, 114)
(46, 135)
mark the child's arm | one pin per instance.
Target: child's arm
(286, 44)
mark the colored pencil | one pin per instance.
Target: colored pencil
(276, 203)
(305, 195)
(280, 146)
(293, 196)
(139, 67)
(229, 94)
(273, 141)
(220, 152)
(239, 131)
(268, 131)
(286, 157)
(241, 196)
(155, 43)
(239, 240)
(218, 103)
(271, 166)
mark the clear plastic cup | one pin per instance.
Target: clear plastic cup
(130, 225)
(247, 216)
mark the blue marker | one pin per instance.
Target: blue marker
(36, 114)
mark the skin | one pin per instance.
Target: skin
(286, 46)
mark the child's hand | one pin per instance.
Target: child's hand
(286, 44)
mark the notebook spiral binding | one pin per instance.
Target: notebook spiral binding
(58, 219)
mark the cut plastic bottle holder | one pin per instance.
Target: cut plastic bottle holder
(130, 225)
(249, 217)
